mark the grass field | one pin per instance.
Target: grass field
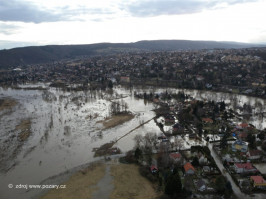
(81, 185)
(129, 184)
(127, 181)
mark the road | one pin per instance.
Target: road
(219, 163)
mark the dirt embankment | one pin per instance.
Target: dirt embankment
(7, 104)
(126, 179)
(115, 120)
(24, 128)
(80, 185)
(106, 149)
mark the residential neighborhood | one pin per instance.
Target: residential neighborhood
(240, 71)
(193, 139)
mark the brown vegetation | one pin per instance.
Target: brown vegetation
(24, 127)
(115, 120)
(129, 184)
(7, 104)
(81, 185)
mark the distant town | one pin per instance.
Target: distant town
(240, 71)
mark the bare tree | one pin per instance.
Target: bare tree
(147, 143)
(178, 143)
(150, 140)
(126, 107)
(139, 140)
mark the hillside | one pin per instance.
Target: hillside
(44, 54)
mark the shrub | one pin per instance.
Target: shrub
(130, 157)
(145, 171)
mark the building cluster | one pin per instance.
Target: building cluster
(230, 70)
(192, 129)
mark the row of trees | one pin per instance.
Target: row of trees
(118, 107)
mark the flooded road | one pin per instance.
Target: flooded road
(63, 135)
(104, 186)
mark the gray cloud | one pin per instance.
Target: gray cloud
(14, 10)
(8, 29)
(25, 11)
(148, 8)
(17, 10)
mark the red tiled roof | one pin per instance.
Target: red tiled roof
(243, 135)
(153, 167)
(244, 165)
(243, 125)
(175, 155)
(257, 179)
(255, 152)
(188, 166)
(207, 120)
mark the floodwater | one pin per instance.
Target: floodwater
(104, 186)
(63, 135)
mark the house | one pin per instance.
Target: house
(244, 168)
(206, 169)
(192, 135)
(227, 158)
(163, 138)
(156, 100)
(242, 136)
(254, 154)
(125, 79)
(199, 78)
(240, 145)
(176, 157)
(178, 128)
(203, 160)
(189, 169)
(258, 181)
(207, 120)
(153, 169)
(169, 119)
(201, 185)
(243, 126)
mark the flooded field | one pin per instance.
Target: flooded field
(65, 128)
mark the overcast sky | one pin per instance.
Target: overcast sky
(42, 22)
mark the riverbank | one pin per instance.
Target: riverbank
(126, 183)
(219, 88)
